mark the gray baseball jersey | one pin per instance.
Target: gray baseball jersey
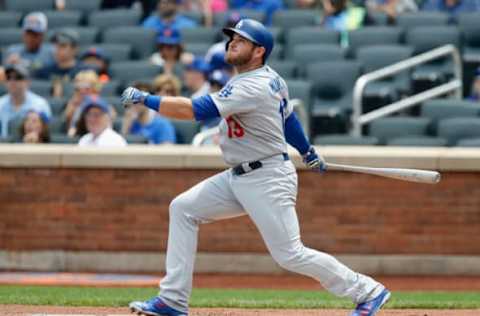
(254, 106)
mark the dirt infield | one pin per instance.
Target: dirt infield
(16, 310)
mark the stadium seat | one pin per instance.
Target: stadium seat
(58, 19)
(41, 87)
(373, 35)
(62, 138)
(196, 16)
(306, 54)
(418, 141)
(439, 109)
(277, 52)
(9, 36)
(142, 40)
(197, 49)
(111, 19)
(425, 38)
(377, 18)
(116, 52)
(455, 129)
(386, 90)
(388, 128)
(345, 140)
(300, 89)
(57, 105)
(309, 35)
(86, 6)
(10, 19)
(87, 35)
(185, 130)
(470, 27)
(469, 142)
(27, 6)
(422, 18)
(332, 85)
(289, 19)
(206, 35)
(287, 69)
(57, 125)
(136, 139)
(220, 18)
(278, 34)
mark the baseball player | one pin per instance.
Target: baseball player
(257, 123)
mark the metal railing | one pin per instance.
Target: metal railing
(359, 119)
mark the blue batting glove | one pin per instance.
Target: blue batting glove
(133, 96)
(314, 161)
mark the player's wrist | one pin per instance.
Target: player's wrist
(152, 101)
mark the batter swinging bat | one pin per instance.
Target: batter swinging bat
(414, 175)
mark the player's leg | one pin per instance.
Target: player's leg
(269, 197)
(211, 199)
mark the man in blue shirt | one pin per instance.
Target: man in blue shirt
(269, 7)
(452, 7)
(32, 53)
(19, 100)
(167, 16)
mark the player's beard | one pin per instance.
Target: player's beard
(240, 59)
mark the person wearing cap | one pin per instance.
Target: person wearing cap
(219, 47)
(65, 65)
(140, 120)
(168, 17)
(195, 78)
(170, 50)
(96, 113)
(34, 128)
(32, 53)
(96, 58)
(19, 99)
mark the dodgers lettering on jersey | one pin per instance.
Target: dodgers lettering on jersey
(254, 106)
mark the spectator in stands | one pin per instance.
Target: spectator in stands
(166, 84)
(167, 17)
(32, 53)
(217, 62)
(34, 128)
(97, 59)
(217, 79)
(475, 94)
(140, 120)
(65, 66)
(308, 4)
(451, 7)
(340, 17)
(170, 50)
(86, 83)
(195, 78)
(19, 99)
(391, 8)
(269, 7)
(98, 122)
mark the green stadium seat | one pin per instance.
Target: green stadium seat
(301, 89)
(418, 141)
(439, 109)
(136, 139)
(185, 130)
(9, 36)
(27, 6)
(41, 87)
(469, 142)
(306, 54)
(309, 35)
(87, 35)
(288, 19)
(59, 19)
(57, 105)
(86, 6)
(422, 18)
(197, 49)
(10, 19)
(373, 35)
(62, 138)
(111, 19)
(470, 27)
(57, 125)
(455, 129)
(205, 35)
(141, 40)
(388, 128)
(345, 140)
(287, 69)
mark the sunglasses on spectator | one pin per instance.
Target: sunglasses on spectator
(15, 78)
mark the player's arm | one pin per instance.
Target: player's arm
(182, 108)
(296, 137)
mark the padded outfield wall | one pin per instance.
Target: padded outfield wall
(74, 209)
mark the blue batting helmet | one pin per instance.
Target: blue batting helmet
(253, 31)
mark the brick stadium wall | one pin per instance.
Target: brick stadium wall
(127, 209)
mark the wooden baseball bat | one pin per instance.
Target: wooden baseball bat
(414, 175)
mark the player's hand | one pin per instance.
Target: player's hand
(132, 95)
(314, 161)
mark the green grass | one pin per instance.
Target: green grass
(242, 298)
